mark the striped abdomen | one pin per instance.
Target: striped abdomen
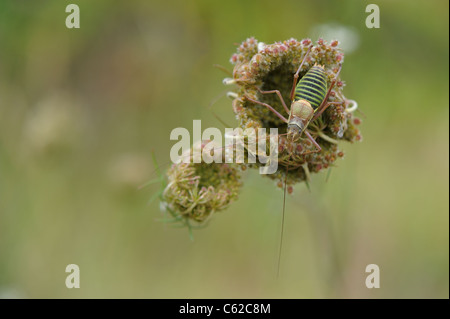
(312, 87)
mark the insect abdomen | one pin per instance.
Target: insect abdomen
(312, 87)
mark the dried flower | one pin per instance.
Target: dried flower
(271, 67)
(195, 191)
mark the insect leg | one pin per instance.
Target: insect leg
(220, 120)
(222, 68)
(297, 73)
(269, 107)
(279, 95)
(318, 148)
(319, 113)
(218, 97)
(325, 100)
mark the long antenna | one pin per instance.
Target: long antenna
(282, 223)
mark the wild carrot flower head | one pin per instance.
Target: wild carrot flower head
(271, 67)
(195, 191)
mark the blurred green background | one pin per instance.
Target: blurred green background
(81, 110)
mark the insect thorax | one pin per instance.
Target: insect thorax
(300, 115)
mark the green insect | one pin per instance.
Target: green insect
(309, 100)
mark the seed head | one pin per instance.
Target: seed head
(271, 67)
(195, 191)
